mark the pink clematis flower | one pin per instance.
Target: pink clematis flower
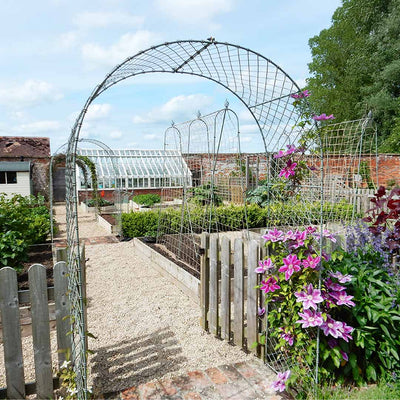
(289, 235)
(344, 355)
(323, 117)
(332, 327)
(264, 265)
(310, 318)
(334, 287)
(310, 230)
(288, 171)
(261, 311)
(301, 95)
(342, 298)
(279, 154)
(310, 298)
(290, 149)
(291, 265)
(344, 331)
(311, 262)
(300, 238)
(280, 384)
(286, 336)
(273, 236)
(340, 277)
(269, 285)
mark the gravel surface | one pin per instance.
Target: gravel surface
(145, 326)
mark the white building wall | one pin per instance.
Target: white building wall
(23, 185)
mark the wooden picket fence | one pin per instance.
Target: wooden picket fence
(229, 301)
(31, 311)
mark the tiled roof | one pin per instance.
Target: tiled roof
(30, 147)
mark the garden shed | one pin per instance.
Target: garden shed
(141, 171)
(15, 177)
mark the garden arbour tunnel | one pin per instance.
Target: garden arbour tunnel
(263, 88)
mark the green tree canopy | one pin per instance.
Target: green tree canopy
(356, 66)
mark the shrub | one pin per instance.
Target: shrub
(147, 199)
(206, 194)
(23, 221)
(100, 202)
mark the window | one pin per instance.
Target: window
(8, 177)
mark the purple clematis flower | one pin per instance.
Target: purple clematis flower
(273, 236)
(311, 262)
(288, 171)
(342, 298)
(264, 265)
(323, 117)
(311, 229)
(310, 297)
(332, 343)
(291, 264)
(332, 327)
(344, 331)
(280, 384)
(301, 95)
(310, 318)
(334, 287)
(344, 355)
(279, 154)
(269, 285)
(300, 238)
(289, 235)
(261, 311)
(340, 277)
(286, 336)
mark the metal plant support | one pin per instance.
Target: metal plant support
(263, 88)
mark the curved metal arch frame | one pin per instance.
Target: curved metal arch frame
(75, 286)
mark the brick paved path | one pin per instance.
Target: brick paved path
(240, 381)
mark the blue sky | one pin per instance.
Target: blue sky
(54, 52)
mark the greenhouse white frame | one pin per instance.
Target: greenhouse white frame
(138, 169)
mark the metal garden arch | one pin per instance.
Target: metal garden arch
(261, 85)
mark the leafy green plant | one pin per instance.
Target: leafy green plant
(101, 202)
(147, 200)
(205, 194)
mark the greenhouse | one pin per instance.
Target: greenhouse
(136, 169)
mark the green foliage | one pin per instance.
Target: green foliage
(101, 202)
(23, 221)
(147, 200)
(375, 350)
(355, 66)
(205, 194)
(232, 217)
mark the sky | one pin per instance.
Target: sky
(53, 53)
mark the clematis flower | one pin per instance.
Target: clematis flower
(311, 229)
(344, 355)
(291, 265)
(332, 343)
(273, 236)
(288, 171)
(323, 117)
(269, 285)
(286, 336)
(342, 298)
(332, 327)
(261, 311)
(280, 384)
(334, 287)
(301, 95)
(311, 262)
(344, 331)
(340, 277)
(290, 149)
(310, 297)
(279, 154)
(310, 318)
(289, 235)
(264, 265)
(300, 238)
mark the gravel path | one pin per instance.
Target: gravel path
(146, 328)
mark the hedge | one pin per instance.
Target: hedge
(232, 217)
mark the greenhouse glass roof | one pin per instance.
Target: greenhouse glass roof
(139, 168)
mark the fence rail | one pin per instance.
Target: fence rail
(43, 309)
(229, 302)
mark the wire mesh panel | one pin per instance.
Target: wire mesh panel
(265, 89)
(213, 200)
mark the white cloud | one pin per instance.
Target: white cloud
(87, 20)
(115, 134)
(127, 45)
(194, 12)
(179, 108)
(98, 111)
(37, 127)
(151, 137)
(29, 93)
(68, 40)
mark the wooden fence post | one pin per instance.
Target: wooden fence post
(62, 310)
(204, 280)
(214, 250)
(225, 288)
(238, 293)
(40, 331)
(9, 308)
(252, 303)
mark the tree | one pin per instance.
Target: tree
(355, 65)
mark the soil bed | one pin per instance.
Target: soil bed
(110, 218)
(38, 254)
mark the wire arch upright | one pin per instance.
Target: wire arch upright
(260, 84)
